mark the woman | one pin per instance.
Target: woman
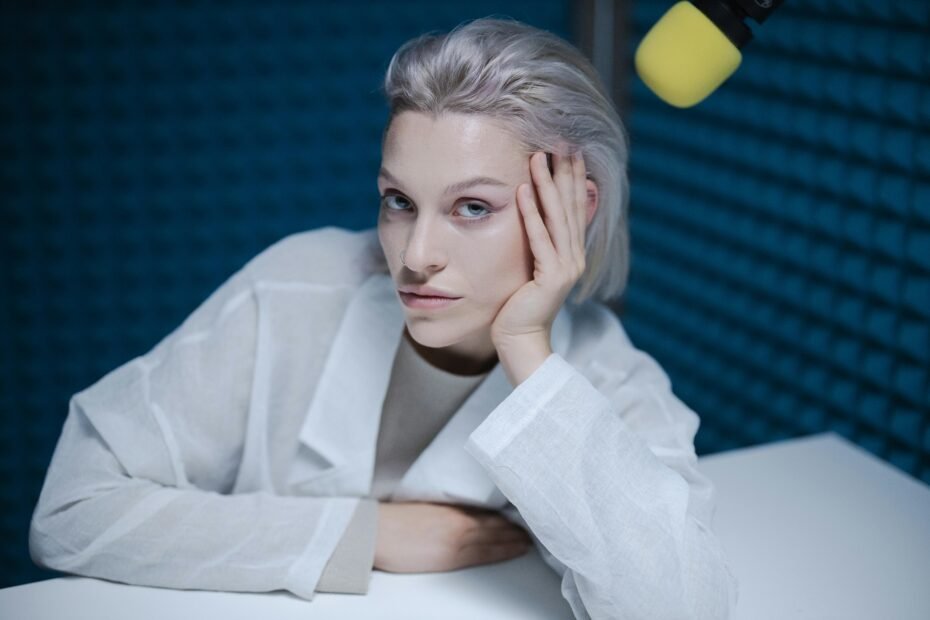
(315, 419)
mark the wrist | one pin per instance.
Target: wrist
(521, 357)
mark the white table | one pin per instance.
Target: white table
(815, 528)
(819, 528)
(531, 593)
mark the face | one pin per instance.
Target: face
(459, 235)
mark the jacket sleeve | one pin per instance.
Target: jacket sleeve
(139, 488)
(607, 485)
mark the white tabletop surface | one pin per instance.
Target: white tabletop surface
(819, 528)
(531, 593)
(814, 528)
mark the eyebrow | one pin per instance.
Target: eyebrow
(455, 187)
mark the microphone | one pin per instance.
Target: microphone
(696, 46)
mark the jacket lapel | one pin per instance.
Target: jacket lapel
(338, 438)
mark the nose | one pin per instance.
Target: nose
(424, 250)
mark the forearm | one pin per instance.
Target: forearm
(94, 520)
(601, 501)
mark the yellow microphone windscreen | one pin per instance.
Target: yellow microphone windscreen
(684, 57)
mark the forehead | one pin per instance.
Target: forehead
(469, 142)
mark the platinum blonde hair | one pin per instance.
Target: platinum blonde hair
(549, 97)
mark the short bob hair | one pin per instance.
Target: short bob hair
(549, 96)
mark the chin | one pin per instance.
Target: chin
(433, 336)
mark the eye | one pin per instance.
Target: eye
(386, 199)
(479, 206)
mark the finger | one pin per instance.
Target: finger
(485, 517)
(536, 231)
(548, 193)
(496, 534)
(509, 536)
(581, 195)
(473, 555)
(564, 180)
(491, 521)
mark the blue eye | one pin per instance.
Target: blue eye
(385, 198)
(475, 204)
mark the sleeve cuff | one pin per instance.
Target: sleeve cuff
(348, 570)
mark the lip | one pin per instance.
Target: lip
(426, 291)
(426, 303)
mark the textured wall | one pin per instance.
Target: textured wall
(147, 151)
(781, 233)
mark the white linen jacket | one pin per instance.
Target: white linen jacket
(232, 455)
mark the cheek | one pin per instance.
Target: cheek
(388, 240)
(503, 261)
(517, 259)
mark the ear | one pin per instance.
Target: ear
(592, 201)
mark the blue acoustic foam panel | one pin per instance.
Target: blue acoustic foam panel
(147, 151)
(781, 232)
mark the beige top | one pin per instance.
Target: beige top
(419, 401)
